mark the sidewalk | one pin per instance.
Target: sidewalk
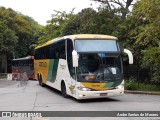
(12, 83)
(5, 83)
(142, 92)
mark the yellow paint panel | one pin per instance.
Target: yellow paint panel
(95, 86)
(41, 67)
(82, 36)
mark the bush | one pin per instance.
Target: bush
(131, 84)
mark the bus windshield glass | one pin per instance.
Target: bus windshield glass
(97, 67)
(96, 46)
(99, 61)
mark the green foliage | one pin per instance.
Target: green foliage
(139, 30)
(130, 84)
(147, 12)
(8, 39)
(17, 33)
(57, 26)
(133, 85)
(146, 35)
(122, 7)
(23, 27)
(151, 60)
(87, 21)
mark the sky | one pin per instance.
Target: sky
(41, 10)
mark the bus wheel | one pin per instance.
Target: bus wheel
(63, 90)
(40, 81)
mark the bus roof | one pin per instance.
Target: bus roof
(78, 36)
(24, 58)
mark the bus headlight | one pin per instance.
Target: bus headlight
(84, 89)
(120, 86)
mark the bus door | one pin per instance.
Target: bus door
(71, 69)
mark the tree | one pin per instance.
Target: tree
(148, 35)
(86, 21)
(121, 5)
(151, 60)
(27, 30)
(56, 26)
(18, 32)
(8, 40)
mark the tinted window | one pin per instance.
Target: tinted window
(53, 51)
(61, 50)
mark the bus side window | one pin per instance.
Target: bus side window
(56, 53)
(47, 52)
(60, 51)
(52, 51)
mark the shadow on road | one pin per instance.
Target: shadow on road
(98, 100)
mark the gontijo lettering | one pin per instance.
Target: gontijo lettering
(42, 64)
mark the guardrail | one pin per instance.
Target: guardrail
(13, 78)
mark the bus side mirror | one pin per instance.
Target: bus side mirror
(74, 58)
(130, 55)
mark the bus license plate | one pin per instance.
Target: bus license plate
(103, 94)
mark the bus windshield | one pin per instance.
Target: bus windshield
(96, 46)
(97, 67)
(99, 61)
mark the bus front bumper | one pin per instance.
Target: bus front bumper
(99, 94)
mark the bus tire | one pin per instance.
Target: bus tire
(63, 90)
(41, 81)
(38, 79)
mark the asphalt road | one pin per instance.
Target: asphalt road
(32, 97)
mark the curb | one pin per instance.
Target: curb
(142, 92)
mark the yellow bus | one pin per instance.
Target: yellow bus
(83, 66)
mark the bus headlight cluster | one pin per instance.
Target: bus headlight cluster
(84, 89)
(120, 86)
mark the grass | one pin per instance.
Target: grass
(132, 85)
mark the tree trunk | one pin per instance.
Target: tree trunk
(4, 63)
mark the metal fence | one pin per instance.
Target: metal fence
(140, 75)
(19, 79)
